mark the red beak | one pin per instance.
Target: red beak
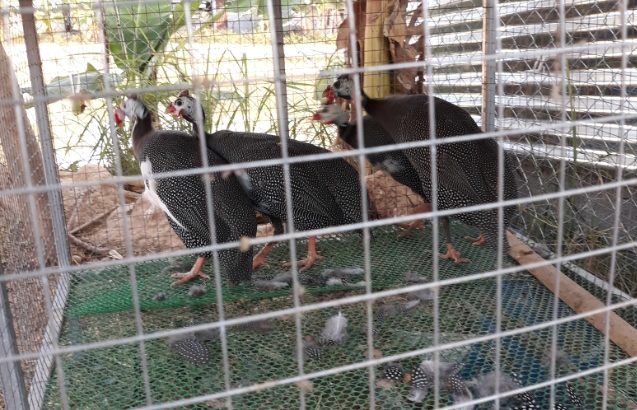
(316, 116)
(170, 108)
(329, 95)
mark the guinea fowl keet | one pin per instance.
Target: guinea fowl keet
(467, 171)
(183, 198)
(324, 193)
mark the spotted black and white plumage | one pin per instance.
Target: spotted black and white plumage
(420, 379)
(484, 386)
(311, 349)
(393, 371)
(395, 163)
(467, 171)
(324, 193)
(190, 349)
(573, 396)
(183, 198)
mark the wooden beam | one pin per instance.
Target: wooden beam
(577, 298)
(376, 49)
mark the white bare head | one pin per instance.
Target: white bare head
(132, 108)
(343, 87)
(332, 114)
(184, 106)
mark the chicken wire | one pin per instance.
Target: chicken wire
(570, 135)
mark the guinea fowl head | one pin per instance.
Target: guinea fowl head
(184, 106)
(331, 114)
(132, 108)
(343, 87)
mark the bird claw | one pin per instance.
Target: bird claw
(305, 263)
(454, 255)
(476, 241)
(414, 225)
(183, 277)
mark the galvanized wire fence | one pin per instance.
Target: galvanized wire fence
(89, 319)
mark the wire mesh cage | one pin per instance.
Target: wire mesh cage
(96, 218)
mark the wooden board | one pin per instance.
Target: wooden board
(576, 297)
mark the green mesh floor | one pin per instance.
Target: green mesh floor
(100, 308)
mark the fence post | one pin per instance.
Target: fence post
(489, 42)
(44, 131)
(281, 84)
(11, 377)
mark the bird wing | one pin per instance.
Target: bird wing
(265, 186)
(455, 175)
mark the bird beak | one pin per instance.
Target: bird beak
(170, 108)
(316, 116)
(118, 116)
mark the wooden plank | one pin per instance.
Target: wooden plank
(577, 298)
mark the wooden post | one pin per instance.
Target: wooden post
(577, 298)
(376, 49)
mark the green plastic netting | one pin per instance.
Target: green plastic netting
(100, 308)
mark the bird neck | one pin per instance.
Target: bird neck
(347, 132)
(142, 129)
(195, 126)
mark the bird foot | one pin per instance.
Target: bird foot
(305, 263)
(476, 241)
(259, 260)
(183, 277)
(417, 225)
(453, 254)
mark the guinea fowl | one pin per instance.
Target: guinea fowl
(395, 163)
(324, 193)
(183, 199)
(467, 171)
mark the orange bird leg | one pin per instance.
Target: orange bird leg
(417, 224)
(312, 256)
(452, 253)
(476, 241)
(195, 272)
(259, 258)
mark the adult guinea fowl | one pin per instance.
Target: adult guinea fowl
(324, 193)
(395, 163)
(183, 199)
(467, 171)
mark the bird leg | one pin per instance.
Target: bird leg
(312, 256)
(476, 241)
(452, 253)
(259, 258)
(183, 277)
(418, 224)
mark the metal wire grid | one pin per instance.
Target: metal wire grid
(617, 184)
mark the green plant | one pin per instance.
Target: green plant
(137, 34)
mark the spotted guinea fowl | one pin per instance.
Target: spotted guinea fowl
(467, 171)
(183, 198)
(395, 163)
(324, 193)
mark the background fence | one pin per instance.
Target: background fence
(563, 94)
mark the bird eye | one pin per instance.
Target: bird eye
(178, 103)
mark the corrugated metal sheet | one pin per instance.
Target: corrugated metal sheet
(531, 81)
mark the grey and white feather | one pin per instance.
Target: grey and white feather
(335, 330)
